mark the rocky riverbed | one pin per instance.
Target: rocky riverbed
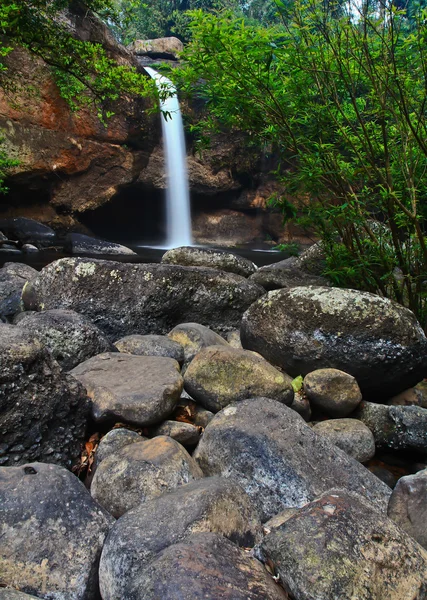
(203, 429)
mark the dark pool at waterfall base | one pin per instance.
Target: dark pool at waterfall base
(144, 254)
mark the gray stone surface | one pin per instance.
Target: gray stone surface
(395, 427)
(340, 546)
(151, 345)
(332, 391)
(71, 338)
(115, 440)
(184, 433)
(219, 375)
(28, 231)
(127, 298)
(190, 256)
(408, 506)
(43, 412)
(351, 435)
(13, 277)
(212, 504)
(77, 243)
(304, 329)
(275, 278)
(193, 337)
(140, 390)
(142, 471)
(280, 461)
(9, 594)
(51, 533)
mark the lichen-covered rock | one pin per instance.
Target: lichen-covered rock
(140, 472)
(140, 390)
(13, 277)
(350, 435)
(304, 329)
(205, 566)
(191, 256)
(395, 427)
(184, 433)
(275, 278)
(332, 391)
(281, 462)
(213, 504)
(71, 338)
(151, 345)
(52, 533)
(77, 243)
(408, 506)
(125, 298)
(340, 546)
(219, 375)
(165, 47)
(193, 337)
(233, 338)
(43, 412)
(9, 594)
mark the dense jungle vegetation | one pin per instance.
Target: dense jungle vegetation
(337, 90)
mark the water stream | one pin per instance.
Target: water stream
(178, 214)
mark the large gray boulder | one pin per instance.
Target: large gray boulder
(71, 338)
(193, 337)
(140, 390)
(206, 566)
(374, 339)
(220, 375)
(332, 391)
(213, 504)
(13, 277)
(276, 277)
(125, 298)
(281, 462)
(408, 506)
(51, 533)
(43, 412)
(142, 471)
(190, 256)
(151, 345)
(28, 231)
(340, 546)
(77, 243)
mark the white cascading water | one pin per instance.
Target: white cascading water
(178, 214)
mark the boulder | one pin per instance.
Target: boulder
(151, 345)
(115, 440)
(9, 594)
(332, 391)
(340, 546)
(29, 249)
(13, 277)
(274, 278)
(165, 47)
(408, 506)
(71, 338)
(193, 337)
(140, 472)
(125, 298)
(304, 329)
(213, 504)
(191, 256)
(352, 436)
(77, 243)
(416, 396)
(184, 433)
(52, 533)
(281, 462)
(140, 390)
(220, 375)
(395, 427)
(43, 412)
(28, 231)
(206, 566)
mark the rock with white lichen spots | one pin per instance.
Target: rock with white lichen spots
(209, 257)
(374, 339)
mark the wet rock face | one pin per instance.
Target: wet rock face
(52, 533)
(43, 412)
(374, 339)
(212, 504)
(408, 506)
(339, 546)
(28, 231)
(281, 462)
(70, 337)
(123, 298)
(208, 257)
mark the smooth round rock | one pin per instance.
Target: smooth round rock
(332, 391)
(194, 337)
(408, 506)
(219, 375)
(139, 472)
(274, 278)
(52, 532)
(28, 231)
(140, 390)
(184, 433)
(77, 243)
(115, 440)
(303, 329)
(191, 256)
(350, 435)
(13, 277)
(71, 338)
(212, 504)
(151, 345)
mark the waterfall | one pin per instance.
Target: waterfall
(178, 215)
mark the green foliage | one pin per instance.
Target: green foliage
(297, 383)
(6, 163)
(292, 248)
(341, 97)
